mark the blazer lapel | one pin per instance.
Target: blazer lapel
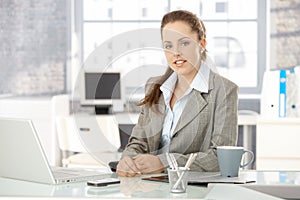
(194, 105)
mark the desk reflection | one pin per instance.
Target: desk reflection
(132, 185)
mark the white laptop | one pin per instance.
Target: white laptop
(22, 157)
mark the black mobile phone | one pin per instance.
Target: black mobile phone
(103, 182)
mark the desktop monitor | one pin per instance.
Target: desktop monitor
(102, 90)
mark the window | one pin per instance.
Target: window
(236, 31)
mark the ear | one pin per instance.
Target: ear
(203, 43)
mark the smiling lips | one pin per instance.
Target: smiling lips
(179, 63)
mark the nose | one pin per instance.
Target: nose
(176, 52)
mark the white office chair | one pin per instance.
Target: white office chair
(60, 108)
(70, 141)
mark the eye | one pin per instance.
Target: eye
(167, 46)
(184, 43)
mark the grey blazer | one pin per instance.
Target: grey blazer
(207, 121)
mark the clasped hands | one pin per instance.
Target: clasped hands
(139, 164)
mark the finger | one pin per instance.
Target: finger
(125, 174)
(125, 171)
(121, 173)
(123, 168)
(131, 165)
(141, 167)
(120, 169)
(140, 163)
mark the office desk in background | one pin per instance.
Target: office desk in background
(280, 184)
(277, 141)
(277, 144)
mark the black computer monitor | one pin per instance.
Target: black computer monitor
(102, 90)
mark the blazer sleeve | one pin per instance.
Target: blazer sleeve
(138, 141)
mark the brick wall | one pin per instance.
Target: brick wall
(33, 47)
(285, 33)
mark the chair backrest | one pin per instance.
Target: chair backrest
(60, 107)
(70, 138)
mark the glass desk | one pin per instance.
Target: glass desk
(279, 184)
(128, 188)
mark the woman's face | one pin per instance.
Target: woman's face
(182, 48)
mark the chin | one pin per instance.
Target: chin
(182, 72)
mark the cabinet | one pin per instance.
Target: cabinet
(278, 144)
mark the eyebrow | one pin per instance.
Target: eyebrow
(184, 38)
(178, 39)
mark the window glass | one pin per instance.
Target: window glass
(231, 30)
(242, 9)
(97, 9)
(152, 10)
(94, 35)
(228, 9)
(137, 67)
(195, 6)
(112, 44)
(126, 10)
(234, 50)
(214, 10)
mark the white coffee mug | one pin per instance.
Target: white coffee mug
(229, 158)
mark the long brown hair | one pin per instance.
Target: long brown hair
(197, 26)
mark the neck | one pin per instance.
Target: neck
(186, 81)
(183, 83)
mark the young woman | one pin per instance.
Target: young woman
(189, 109)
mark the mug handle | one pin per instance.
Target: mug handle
(251, 160)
